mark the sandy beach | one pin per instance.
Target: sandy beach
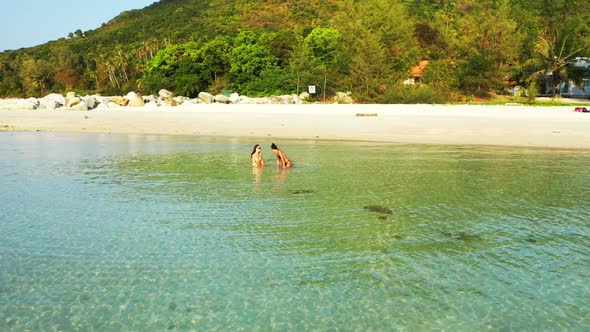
(524, 126)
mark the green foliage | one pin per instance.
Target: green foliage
(441, 75)
(188, 68)
(10, 83)
(248, 60)
(489, 41)
(322, 43)
(276, 47)
(532, 92)
(412, 94)
(36, 76)
(476, 75)
(273, 81)
(281, 44)
(430, 40)
(377, 47)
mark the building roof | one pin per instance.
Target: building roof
(419, 69)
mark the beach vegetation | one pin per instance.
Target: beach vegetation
(532, 92)
(474, 49)
(412, 94)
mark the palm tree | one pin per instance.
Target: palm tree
(553, 58)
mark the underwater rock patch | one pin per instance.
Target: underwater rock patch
(302, 191)
(378, 209)
(463, 236)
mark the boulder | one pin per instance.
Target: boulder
(254, 101)
(343, 98)
(135, 99)
(81, 106)
(234, 98)
(150, 99)
(52, 101)
(112, 104)
(206, 97)
(222, 99)
(152, 105)
(33, 101)
(72, 99)
(120, 101)
(245, 100)
(181, 99)
(169, 102)
(165, 94)
(19, 104)
(304, 96)
(190, 102)
(285, 99)
(292, 99)
(71, 102)
(91, 101)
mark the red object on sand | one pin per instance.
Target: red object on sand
(581, 109)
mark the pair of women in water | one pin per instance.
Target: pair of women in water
(282, 160)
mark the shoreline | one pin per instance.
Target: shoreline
(517, 126)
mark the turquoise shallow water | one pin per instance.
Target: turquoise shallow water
(151, 233)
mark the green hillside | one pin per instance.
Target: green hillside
(472, 48)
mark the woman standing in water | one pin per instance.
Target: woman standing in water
(282, 160)
(256, 156)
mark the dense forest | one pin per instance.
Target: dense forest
(471, 48)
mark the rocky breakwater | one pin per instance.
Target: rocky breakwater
(133, 100)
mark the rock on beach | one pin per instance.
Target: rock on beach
(165, 98)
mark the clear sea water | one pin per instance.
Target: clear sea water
(150, 233)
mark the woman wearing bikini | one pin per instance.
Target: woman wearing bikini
(256, 156)
(282, 160)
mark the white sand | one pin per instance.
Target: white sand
(554, 127)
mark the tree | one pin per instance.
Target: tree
(303, 66)
(248, 60)
(377, 47)
(10, 80)
(369, 72)
(490, 42)
(36, 76)
(441, 75)
(565, 36)
(173, 68)
(67, 77)
(322, 44)
(215, 58)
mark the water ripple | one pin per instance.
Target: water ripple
(145, 233)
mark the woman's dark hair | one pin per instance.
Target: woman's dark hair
(254, 150)
(274, 146)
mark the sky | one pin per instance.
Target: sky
(28, 23)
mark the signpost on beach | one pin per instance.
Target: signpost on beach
(311, 90)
